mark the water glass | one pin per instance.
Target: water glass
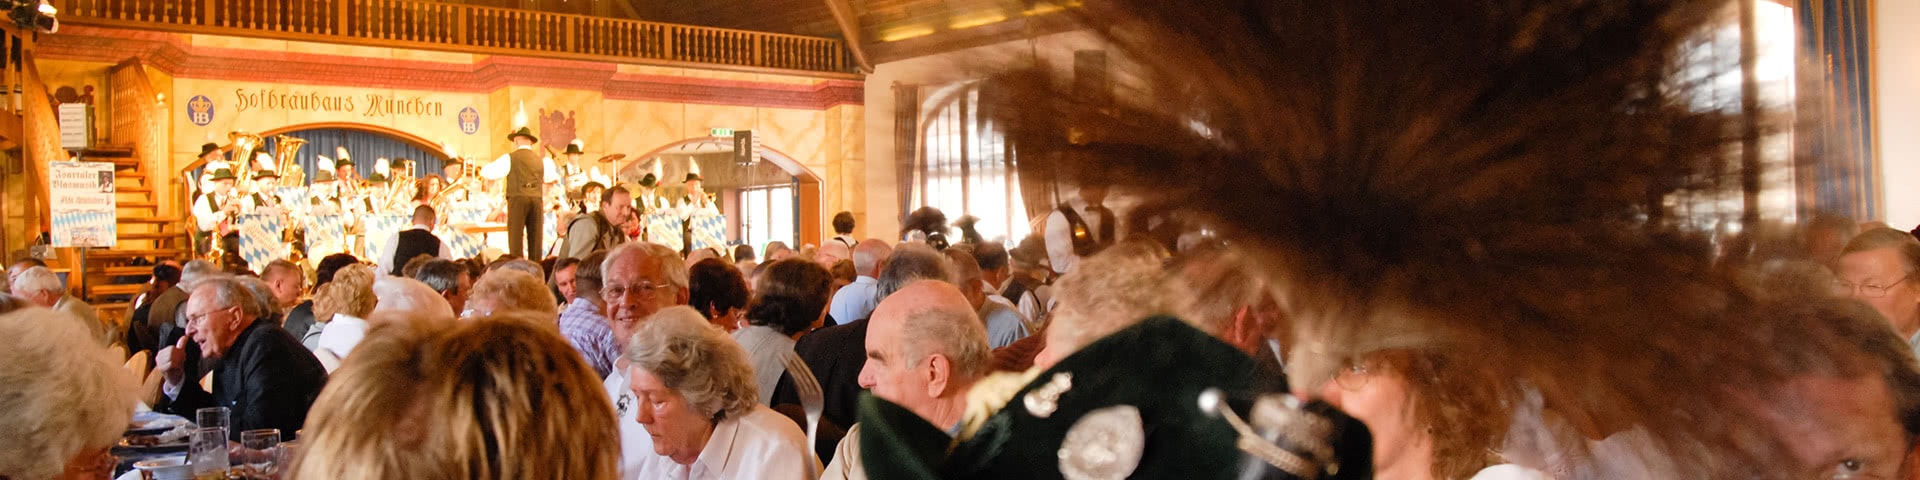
(207, 453)
(260, 452)
(212, 417)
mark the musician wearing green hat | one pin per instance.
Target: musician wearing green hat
(525, 183)
(323, 196)
(264, 191)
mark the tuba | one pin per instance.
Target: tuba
(285, 147)
(245, 144)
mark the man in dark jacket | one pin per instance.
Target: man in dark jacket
(157, 308)
(524, 190)
(259, 371)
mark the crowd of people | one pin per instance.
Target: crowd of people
(471, 370)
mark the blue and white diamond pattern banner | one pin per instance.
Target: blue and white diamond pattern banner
(82, 204)
(381, 228)
(84, 228)
(466, 215)
(291, 195)
(326, 235)
(460, 244)
(549, 227)
(260, 240)
(664, 228)
(707, 230)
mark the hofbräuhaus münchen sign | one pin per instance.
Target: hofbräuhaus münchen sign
(372, 105)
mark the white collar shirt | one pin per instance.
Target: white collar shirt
(763, 445)
(636, 446)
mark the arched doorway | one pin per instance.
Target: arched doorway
(739, 187)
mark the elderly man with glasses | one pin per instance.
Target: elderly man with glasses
(260, 371)
(1877, 269)
(637, 279)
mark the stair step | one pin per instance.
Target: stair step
(130, 271)
(139, 189)
(136, 205)
(115, 289)
(149, 220)
(116, 311)
(107, 151)
(150, 235)
(134, 253)
(129, 174)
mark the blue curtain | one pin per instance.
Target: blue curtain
(364, 147)
(1835, 108)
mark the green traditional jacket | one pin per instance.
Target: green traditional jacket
(1123, 407)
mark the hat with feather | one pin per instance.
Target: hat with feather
(1478, 176)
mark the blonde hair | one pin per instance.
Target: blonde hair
(514, 290)
(64, 394)
(350, 293)
(697, 360)
(493, 398)
(1107, 293)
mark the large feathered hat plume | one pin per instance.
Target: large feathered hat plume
(1481, 176)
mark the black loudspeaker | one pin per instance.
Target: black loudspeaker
(743, 148)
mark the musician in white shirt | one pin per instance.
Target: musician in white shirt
(212, 212)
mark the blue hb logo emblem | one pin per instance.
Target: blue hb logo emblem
(469, 120)
(200, 110)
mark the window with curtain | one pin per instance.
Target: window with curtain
(767, 215)
(1714, 61)
(964, 165)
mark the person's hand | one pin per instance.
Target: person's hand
(170, 360)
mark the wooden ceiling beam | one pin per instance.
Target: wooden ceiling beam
(849, 22)
(954, 40)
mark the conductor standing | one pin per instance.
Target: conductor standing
(525, 176)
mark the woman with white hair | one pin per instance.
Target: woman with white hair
(698, 400)
(58, 425)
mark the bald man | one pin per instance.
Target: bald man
(857, 300)
(925, 349)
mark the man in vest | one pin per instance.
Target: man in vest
(649, 201)
(696, 198)
(414, 241)
(525, 178)
(323, 196)
(599, 230)
(1075, 232)
(265, 183)
(212, 211)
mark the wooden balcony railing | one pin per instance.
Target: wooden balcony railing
(467, 28)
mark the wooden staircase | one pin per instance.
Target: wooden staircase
(114, 276)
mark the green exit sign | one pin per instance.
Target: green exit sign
(720, 132)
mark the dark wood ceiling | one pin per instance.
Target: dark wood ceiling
(878, 19)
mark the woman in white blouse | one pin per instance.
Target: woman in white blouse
(698, 401)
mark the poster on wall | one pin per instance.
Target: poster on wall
(82, 204)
